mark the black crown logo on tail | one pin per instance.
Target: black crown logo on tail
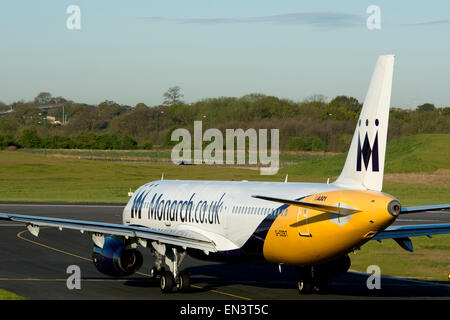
(368, 152)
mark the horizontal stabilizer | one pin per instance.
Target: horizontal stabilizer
(425, 208)
(398, 232)
(309, 205)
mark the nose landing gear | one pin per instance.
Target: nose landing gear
(314, 279)
(311, 281)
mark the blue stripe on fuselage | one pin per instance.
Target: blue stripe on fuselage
(251, 251)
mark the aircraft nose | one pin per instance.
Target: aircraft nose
(394, 207)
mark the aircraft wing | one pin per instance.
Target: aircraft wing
(185, 238)
(401, 234)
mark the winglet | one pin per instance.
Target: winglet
(405, 243)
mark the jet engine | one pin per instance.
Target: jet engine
(116, 259)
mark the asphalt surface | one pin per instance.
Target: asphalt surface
(36, 267)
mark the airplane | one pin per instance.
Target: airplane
(311, 226)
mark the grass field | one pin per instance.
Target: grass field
(6, 295)
(420, 153)
(34, 178)
(30, 176)
(417, 173)
(429, 261)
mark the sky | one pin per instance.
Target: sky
(132, 52)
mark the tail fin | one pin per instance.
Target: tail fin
(364, 166)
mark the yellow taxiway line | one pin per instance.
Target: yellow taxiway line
(19, 235)
(62, 280)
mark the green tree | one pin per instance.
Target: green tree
(147, 145)
(312, 143)
(43, 98)
(85, 140)
(426, 107)
(296, 144)
(3, 107)
(315, 143)
(344, 108)
(168, 138)
(3, 142)
(28, 138)
(105, 112)
(128, 143)
(173, 96)
(60, 142)
(107, 141)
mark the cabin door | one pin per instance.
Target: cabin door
(302, 222)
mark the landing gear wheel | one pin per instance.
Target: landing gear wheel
(167, 282)
(155, 273)
(307, 287)
(304, 287)
(305, 284)
(322, 286)
(184, 282)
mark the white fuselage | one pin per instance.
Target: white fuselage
(224, 211)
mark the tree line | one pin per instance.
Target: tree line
(306, 125)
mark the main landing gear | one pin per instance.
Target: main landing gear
(173, 278)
